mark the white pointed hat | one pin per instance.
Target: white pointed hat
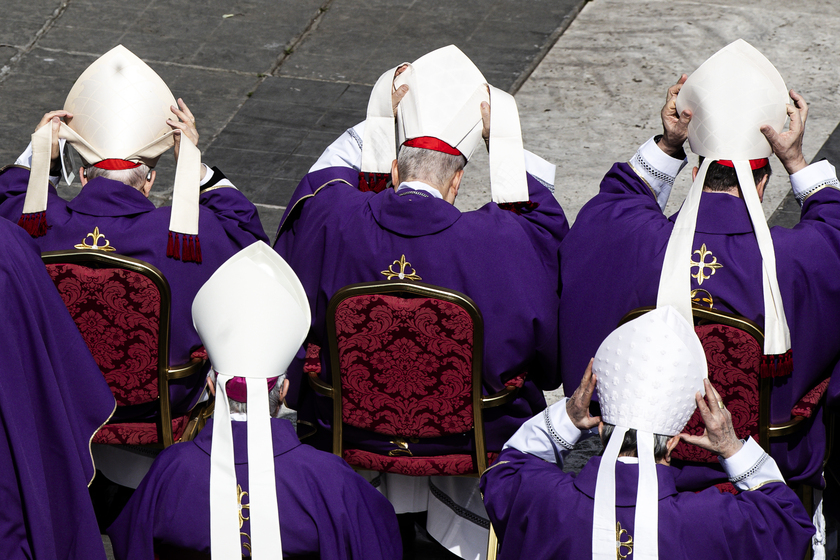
(119, 106)
(441, 112)
(648, 371)
(252, 316)
(731, 96)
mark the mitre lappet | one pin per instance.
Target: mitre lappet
(731, 96)
(441, 112)
(120, 106)
(648, 372)
(252, 316)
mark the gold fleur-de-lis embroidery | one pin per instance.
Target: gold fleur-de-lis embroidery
(240, 495)
(702, 297)
(702, 265)
(95, 236)
(391, 273)
(619, 544)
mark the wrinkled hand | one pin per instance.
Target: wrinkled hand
(577, 407)
(185, 125)
(54, 117)
(485, 123)
(674, 125)
(788, 145)
(400, 92)
(719, 436)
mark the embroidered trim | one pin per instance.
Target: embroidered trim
(554, 435)
(546, 184)
(637, 159)
(377, 482)
(355, 137)
(801, 197)
(757, 486)
(496, 464)
(409, 191)
(751, 471)
(458, 510)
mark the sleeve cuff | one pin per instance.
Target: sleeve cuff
(813, 178)
(540, 169)
(657, 169)
(214, 179)
(751, 467)
(549, 435)
(25, 159)
(346, 151)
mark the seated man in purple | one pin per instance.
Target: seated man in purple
(113, 131)
(626, 503)
(53, 399)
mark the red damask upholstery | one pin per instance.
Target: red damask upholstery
(808, 404)
(406, 365)
(443, 465)
(734, 358)
(138, 433)
(118, 314)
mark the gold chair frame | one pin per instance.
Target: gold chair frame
(99, 259)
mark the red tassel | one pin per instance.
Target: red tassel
(776, 365)
(373, 182)
(185, 249)
(519, 208)
(170, 246)
(176, 248)
(197, 254)
(34, 224)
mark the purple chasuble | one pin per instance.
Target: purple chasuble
(539, 511)
(130, 223)
(326, 509)
(612, 258)
(53, 398)
(334, 235)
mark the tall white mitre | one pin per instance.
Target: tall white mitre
(443, 102)
(731, 96)
(252, 316)
(119, 106)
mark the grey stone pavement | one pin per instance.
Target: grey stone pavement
(273, 82)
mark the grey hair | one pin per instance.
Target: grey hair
(274, 399)
(628, 446)
(135, 177)
(419, 164)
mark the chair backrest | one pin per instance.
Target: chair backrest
(734, 348)
(122, 308)
(406, 361)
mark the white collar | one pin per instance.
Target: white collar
(420, 186)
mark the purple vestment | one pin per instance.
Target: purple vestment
(325, 508)
(130, 223)
(52, 400)
(538, 511)
(334, 235)
(611, 262)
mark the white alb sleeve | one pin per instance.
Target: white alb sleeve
(813, 178)
(751, 467)
(550, 435)
(346, 151)
(542, 170)
(657, 169)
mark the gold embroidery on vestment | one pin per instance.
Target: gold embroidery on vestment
(619, 544)
(702, 265)
(240, 495)
(703, 298)
(95, 236)
(390, 273)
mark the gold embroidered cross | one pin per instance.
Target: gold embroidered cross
(95, 236)
(702, 297)
(619, 544)
(702, 265)
(240, 495)
(391, 273)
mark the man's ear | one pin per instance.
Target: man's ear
(670, 446)
(395, 174)
(284, 389)
(454, 185)
(147, 185)
(83, 176)
(694, 171)
(761, 186)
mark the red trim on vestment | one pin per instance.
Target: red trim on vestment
(754, 163)
(431, 143)
(117, 164)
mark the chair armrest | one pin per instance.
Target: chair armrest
(502, 397)
(786, 428)
(185, 370)
(319, 386)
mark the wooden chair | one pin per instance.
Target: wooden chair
(122, 308)
(406, 363)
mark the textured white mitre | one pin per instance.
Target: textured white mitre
(120, 106)
(731, 95)
(443, 100)
(649, 370)
(252, 314)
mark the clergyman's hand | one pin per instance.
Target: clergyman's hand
(788, 145)
(54, 117)
(398, 94)
(577, 407)
(674, 125)
(719, 436)
(184, 125)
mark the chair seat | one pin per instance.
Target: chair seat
(452, 465)
(138, 433)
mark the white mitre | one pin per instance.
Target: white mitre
(731, 96)
(444, 103)
(252, 316)
(648, 372)
(120, 106)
